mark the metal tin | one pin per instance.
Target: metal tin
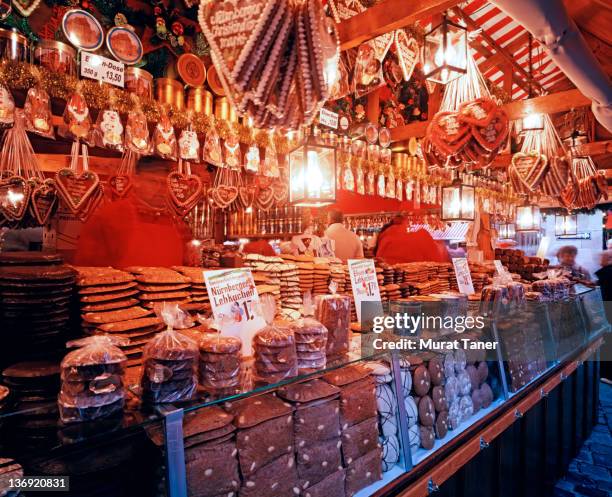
(191, 69)
(223, 110)
(13, 46)
(200, 100)
(124, 45)
(56, 56)
(139, 82)
(82, 29)
(170, 92)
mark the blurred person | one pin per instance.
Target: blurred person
(604, 280)
(258, 246)
(346, 244)
(566, 256)
(396, 244)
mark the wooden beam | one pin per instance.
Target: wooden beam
(508, 79)
(499, 49)
(498, 58)
(387, 16)
(547, 104)
(594, 148)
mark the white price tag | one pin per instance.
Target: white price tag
(328, 118)
(499, 267)
(103, 69)
(364, 283)
(463, 275)
(235, 304)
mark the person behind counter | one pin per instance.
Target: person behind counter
(347, 244)
(567, 260)
(396, 244)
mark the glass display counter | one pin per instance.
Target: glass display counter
(366, 419)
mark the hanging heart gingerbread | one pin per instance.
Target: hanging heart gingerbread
(265, 198)
(494, 133)
(246, 195)
(281, 192)
(44, 201)
(120, 184)
(184, 190)
(478, 112)
(448, 133)
(233, 29)
(225, 195)
(75, 189)
(14, 197)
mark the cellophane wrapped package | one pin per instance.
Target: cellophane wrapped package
(220, 360)
(170, 362)
(334, 312)
(310, 338)
(274, 348)
(92, 379)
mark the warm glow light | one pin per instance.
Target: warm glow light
(196, 243)
(566, 225)
(15, 198)
(249, 209)
(331, 72)
(533, 122)
(313, 172)
(528, 218)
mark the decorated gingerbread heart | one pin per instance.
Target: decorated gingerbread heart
(225, 195)
(75, 189)
(478, 112)
(120, 184)
(184, 190)
(246, 195)
(448, 133)
(281, 192)
(14, 197)
(43, 201)
(265, 197)
(494, 133)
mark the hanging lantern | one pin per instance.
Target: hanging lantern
(531, 123)
(566, 225)
(527, 218)
(458, 202)
(445, 52)
(506, 231)
(312, 173)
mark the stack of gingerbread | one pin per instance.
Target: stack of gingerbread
(316, 424)
(310, 342)
(36, 293)
(322, 273)
(92, 380)
(339, 276)
(197, 287)
(334, 312)
(158, 284)
(170, 367)
(275, 354)
(220, 358)
(457, 389)
(210, 452)
(306, 274)
(361, 451)
(109, 304)
(265, 446)
(291, 299)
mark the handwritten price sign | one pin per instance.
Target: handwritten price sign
(364, 283)
(100, 68)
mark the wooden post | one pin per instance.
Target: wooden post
(373, 106)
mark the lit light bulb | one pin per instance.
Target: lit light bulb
(447, 56)
(331, 71)
(196, 243)
(15, 198)
(533, 121)
(249, 209)
(313, 172)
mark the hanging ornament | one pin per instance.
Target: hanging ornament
(7, 108)
(137, 132)
(184, 189)
(37, 111)
(252, 159)
(189, 145)
(109, 130)
(164, 139)
(232, 151)
(76, 117)
(360, 181)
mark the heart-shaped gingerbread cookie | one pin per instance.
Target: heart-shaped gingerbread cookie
(14, 197)
(265, 198)
(184, 190)
(448, 133)
(246, 195)
(478, 112)
(120, 184)
(44, 201)
(491, 136)
(281, 192)
(75, 189)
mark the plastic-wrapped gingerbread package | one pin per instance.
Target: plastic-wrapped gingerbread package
(137, 132)
(76, 118)
(274, 348)
(220, 361)
(164, 138)
(310, 339)
(37, 111)
(170, 362)
(334, 312)
(92, 379)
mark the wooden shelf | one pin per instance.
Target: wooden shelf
(268, 236)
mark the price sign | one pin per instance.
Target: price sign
(328, 118)
(463, 275)
(364, 283)
(100, 68)
(235, 304)
(499, 267)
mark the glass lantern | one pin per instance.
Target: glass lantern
(312, 173)
(506, 231)
(566, 225)
(458, 202)
(445, 52)
(528, 218)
